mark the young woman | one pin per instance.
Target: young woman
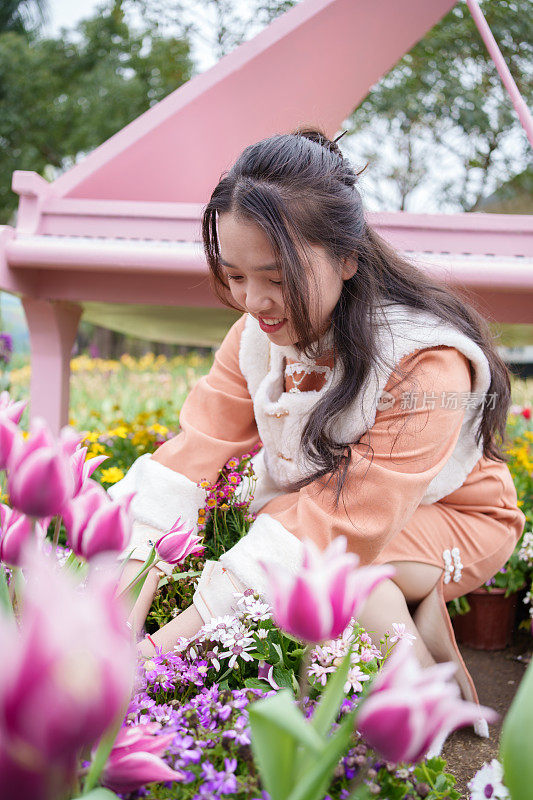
(377, 394)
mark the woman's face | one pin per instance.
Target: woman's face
(255, 282)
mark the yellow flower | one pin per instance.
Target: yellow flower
(95, 450)
(519, 503)
(157, 428)
(121, 431)
(211, 502)
(204, 484)
(112, 475)
(142, 438)
(91, 437)
(224, 507)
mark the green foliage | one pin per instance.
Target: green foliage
(446, 93)
(84, 88)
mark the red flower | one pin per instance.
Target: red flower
(526, 413)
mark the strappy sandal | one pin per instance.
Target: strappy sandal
(435, 628)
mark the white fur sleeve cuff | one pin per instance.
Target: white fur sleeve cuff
(267, 540)
(215, 593)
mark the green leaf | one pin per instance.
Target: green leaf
(105, 746)
(278, 728)
(516, 743)
(5, 602)
(313, 784)
(99, 794)
(179, 577)
(283, 677)
(327, 709)
(255, 683)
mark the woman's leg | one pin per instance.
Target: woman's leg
(388, 603)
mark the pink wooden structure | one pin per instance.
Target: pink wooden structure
(122, 226)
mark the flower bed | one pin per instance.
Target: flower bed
(194, 704)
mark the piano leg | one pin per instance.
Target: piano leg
(53, 325)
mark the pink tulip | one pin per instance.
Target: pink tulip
(83, 469)
(95, 523)
(410, 708)
(329, 590)
(10, 409)
(8, 435)
(180, 542)
(135, 759)
(66, 673)
(40, 479)
(15, 531)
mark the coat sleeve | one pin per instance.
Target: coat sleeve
(391, 468)
(217, 422)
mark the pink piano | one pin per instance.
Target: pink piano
(123, 225)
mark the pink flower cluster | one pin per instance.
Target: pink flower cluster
(227, 491)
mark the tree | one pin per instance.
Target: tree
(22, 16)
(444, 117)
(85, 86)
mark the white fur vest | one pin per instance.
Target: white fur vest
(281, 416)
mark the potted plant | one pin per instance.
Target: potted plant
(484, 618)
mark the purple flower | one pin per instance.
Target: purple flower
(6, 347)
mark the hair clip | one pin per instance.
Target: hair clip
(336, 139)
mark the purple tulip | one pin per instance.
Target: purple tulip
(95, 523)
(40, 479)
(135, 759)
(180, 542)
(83, 469)
(11, 409)
(66, 673)
(15, 531)
(329, 590)
(410, 708)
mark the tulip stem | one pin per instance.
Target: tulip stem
(57, 529)
(304, 676)
(137, 578)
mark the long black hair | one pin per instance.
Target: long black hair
(301, 191)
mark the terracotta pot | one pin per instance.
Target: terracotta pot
(489, 623)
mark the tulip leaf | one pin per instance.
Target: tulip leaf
(313, 783)
(5, 601)
(103, 750)
(516, 744)
(179, 577)
(99, 794)
(278, 728)
(327, 709)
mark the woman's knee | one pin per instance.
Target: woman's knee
(414, 579)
